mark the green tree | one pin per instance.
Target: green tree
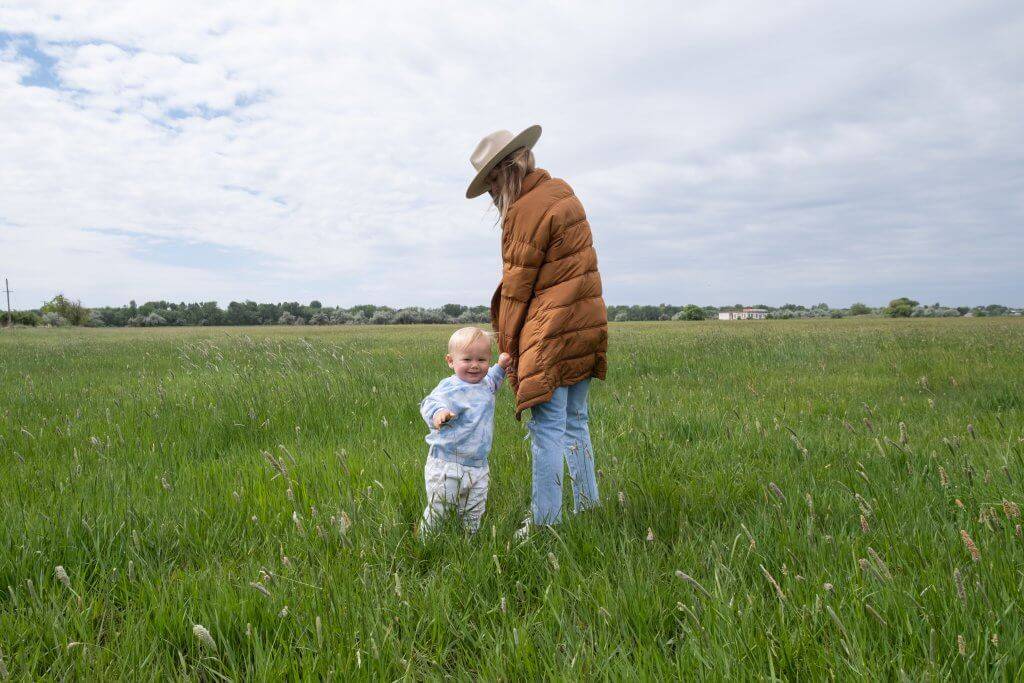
(901, 308)
(72, 311)
(453, 310)
(859, 309)
(690, 312)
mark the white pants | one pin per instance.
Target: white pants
(454, 486)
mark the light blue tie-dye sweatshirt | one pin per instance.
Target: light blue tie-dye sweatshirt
(466, 438)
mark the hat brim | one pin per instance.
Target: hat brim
(528, 138)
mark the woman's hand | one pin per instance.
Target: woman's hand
(504, 360)
(442, 417)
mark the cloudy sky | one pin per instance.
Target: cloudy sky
(726, 152)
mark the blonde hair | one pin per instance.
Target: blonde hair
(510, 172)
(465, 337)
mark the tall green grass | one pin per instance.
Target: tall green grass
(814, 537)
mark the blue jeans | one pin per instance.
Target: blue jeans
(561, 433)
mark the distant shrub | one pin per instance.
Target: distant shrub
(95, 320)
(320, 319)
(340, 317)
(859, 309)
(901, 308)
(54, 319)
(29, 318)
(151, 320)
(690, 312)
(471, 317)
(73, 312)
(407, 316)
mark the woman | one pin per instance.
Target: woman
(547, 312)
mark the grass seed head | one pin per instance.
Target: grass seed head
(344, 523)
(62, 576)
(774, 583)
(864, 524)
(961, 645)
(683, 576)
(862, 503)
(874, 613)
(1010, 509)
(883, 569)
(776, 491)
(259, 588)
(204, 637)
(958, 581)
(553, 561)
(971, 547)
(650, 535)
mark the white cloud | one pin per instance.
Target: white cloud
(724, 152)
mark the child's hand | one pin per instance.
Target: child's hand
(504, 360)
(441, 417)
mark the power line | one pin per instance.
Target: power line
(7, 288)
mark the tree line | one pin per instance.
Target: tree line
(63, 311)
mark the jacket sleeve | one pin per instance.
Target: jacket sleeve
(523, 254)
(431, 404)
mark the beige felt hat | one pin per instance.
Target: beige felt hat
(492, 149)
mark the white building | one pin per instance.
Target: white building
(744, 314)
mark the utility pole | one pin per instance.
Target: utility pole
(7, 288)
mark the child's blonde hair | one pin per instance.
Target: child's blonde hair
(466, 337)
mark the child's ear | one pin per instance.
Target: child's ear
(449, 360)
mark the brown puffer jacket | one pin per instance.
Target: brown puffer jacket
(548, 312)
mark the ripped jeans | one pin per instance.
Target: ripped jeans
(561, 433)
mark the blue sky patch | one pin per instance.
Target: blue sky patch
(44, 75)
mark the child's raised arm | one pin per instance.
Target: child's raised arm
(495, 376)
(431, 406)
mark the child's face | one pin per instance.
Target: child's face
(470, 364)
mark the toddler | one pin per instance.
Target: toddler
(460, 414)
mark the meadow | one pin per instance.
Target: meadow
(792, 500)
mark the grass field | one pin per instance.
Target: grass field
(840, 497)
